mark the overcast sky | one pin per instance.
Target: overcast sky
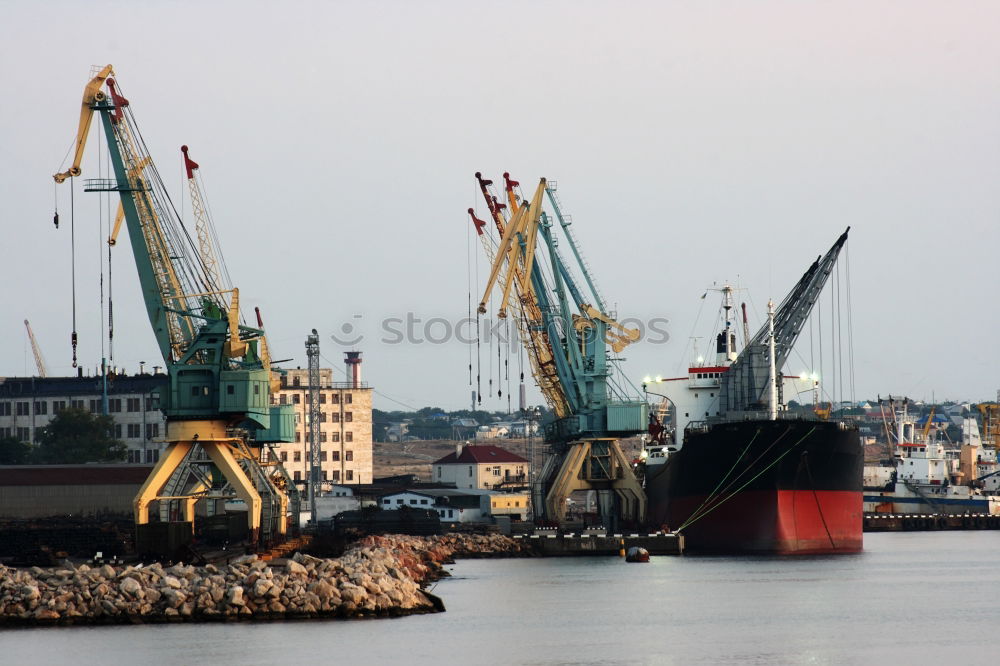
(693, 142)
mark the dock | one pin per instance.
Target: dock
(561, 545)
(924, 522)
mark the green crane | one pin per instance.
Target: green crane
(218, 400)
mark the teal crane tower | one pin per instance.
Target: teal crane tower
(572, 344)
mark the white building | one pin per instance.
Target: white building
(461, 506)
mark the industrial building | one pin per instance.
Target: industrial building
(29, 403)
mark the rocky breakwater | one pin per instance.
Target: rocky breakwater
(377, 576)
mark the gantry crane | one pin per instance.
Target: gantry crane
(218, 400)
(39, 361)
(567, 333)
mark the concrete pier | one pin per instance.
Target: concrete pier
(554, 544)
(914, 522)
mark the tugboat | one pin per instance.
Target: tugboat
(740, 473)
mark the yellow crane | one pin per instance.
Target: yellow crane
(39, 361)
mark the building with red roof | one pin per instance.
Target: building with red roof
(482, 466)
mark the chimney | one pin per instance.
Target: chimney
(353, 363)
(458, 450)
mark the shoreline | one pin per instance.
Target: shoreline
(376, 576)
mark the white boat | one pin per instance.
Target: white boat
(927, 477)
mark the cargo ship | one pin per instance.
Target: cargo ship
(926, 476)
(729, 466)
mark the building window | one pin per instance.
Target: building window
(24, 434)
(335, 455)
(118, 431)
(134, 430)
(298, 476)
(348, 399)
(349, 456)
(385, 501)
(115, 404)
(76, 404)
(496, 471)
(439, 471)
(134, 456)
(95, 406)
(324, 475)
(149, 404)
(298, 436)
(322, 436)
(297, 456)
(336, 436)
(295, 382)
(152, 430)
(348, 416)
(336, 475)
(470, 471)
(348, 436)
(284, 456)
(334, 398)
(132, 404)
(423, 501)
(413, 501)
(399, 501)
(41, 407)
(322, 417)
(322, 398)
(349, 475)
(295, 398)
(335, 417)
(6, 432)
(153, 456)
(24, 408)
(4, 409)
(58, 406)
(322, 456)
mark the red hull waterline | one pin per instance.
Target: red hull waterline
(785, 522)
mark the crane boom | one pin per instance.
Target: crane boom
(39, 361)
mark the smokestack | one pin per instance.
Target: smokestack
(353, 363)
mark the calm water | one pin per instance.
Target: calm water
(918, 598)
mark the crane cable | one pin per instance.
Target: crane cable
(72, 244)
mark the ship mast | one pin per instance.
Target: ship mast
(772, 378)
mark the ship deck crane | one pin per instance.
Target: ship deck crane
(218, 400)
(567, 333)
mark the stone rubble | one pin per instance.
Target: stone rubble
(376, 576)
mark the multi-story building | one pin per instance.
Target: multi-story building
(29, 403)
(345, 428)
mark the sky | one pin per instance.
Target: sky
(694, 143)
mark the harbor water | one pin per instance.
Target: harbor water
(917, 598)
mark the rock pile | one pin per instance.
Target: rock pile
(378, 576)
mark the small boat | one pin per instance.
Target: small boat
(637, 554)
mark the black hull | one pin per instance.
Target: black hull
(763, 486)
